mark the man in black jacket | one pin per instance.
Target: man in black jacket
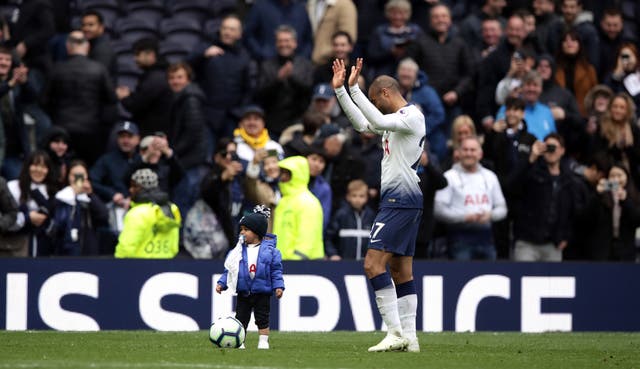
(545, 188)
(285, 82)
(149, 104)
(100, 50)
(226, 74)
(187, 133)
(78, 95)
(506, 147)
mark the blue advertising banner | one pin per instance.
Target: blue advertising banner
(177, 295)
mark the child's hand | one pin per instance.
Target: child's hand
(278, 292)
(218, 288)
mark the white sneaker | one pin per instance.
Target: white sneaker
(242, 347)
(263, 345)
(390, 343)
(413, 345)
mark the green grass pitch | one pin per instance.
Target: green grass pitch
(148, 349)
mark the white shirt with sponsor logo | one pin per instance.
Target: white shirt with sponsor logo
(403, 134)
(469, 193)
(252, 258)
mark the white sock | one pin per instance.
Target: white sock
(387, 302)
(407, 306)
(263, 338)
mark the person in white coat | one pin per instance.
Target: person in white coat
(469, 204)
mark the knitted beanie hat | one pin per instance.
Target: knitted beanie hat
(145, 178)
(257, 222)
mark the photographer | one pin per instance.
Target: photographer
(156, 155)
(543, 188)
(616, 216)
(78, 213)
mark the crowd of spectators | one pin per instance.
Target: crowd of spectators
(118, 114)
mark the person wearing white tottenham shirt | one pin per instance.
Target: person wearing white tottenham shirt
(470, 202)
(395, 228)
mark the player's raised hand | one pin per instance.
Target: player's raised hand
(355, 72)
(339, 72)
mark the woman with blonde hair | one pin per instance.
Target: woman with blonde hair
(619, 135)
(461, 128)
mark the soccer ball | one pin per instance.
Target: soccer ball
(227, 333)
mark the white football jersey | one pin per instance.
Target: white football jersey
(403, 134)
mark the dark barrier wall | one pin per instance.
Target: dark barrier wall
(99, 294)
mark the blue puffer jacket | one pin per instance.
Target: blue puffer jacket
(268, 272)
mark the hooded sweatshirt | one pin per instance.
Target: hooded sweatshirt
(298, 219)
(151, 228)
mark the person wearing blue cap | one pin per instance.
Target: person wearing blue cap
(108, 173)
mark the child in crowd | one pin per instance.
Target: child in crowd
(254, 269)
(348, 232)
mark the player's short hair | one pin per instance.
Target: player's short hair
(357, 185)
(384, 81)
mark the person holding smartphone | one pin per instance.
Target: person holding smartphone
(626, 75)
(78, 213)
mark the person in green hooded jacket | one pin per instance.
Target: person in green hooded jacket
(151, 228)
(297, 219)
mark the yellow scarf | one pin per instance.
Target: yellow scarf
(255, 142)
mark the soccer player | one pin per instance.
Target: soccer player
(393, 235)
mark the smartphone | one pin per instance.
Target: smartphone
(272, 152)
(78, 178)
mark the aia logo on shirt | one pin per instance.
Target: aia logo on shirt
(477, 199)
(252, 268)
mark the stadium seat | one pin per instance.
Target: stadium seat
(193, 9)
(151, 10)
(211, 28)
(181, 30)
(120, 47)
(174, 51)
(128, 72)
(223, 7)
(133, 29)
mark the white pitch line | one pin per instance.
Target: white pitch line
(65, 363)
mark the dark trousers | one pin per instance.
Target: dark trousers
(260, 304)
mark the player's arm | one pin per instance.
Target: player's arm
(350, 109)
(376, 120)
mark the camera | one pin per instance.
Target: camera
(611, 186)
(234, 156)
(551, 148)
